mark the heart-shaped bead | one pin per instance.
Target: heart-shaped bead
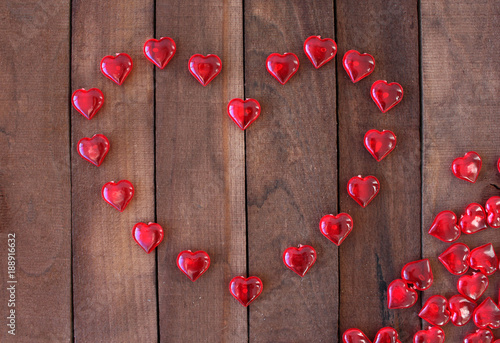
(300, 259)
(473, 220)
(159, 51)
(480, 336)
(386, 95)
(484, 259)
(444, 227)
(468, 167)
(493, 212)
(363, 190)
(205, 68)
(358, 66)
(193, 264)
(461, 309)
(498, 168)
(93, 149)
(399, 295)
(435, 310)
(387, 335)
(472, 286)
(88, 102)
(116, 68)
(319, 51)
(282, 67)
(245, 290)
(379, 144)
(354, 336)
(336, 228)
(418, 273)
(487, 314)
(118, 194)
(243, 112)
(432, 335)
(456, 258)
(148, 236)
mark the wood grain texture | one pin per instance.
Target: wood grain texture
(114, 279)
(291, 173)
(386, 233)
(200, 172)
(461, 84)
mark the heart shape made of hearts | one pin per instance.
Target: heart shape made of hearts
(384, 335)
(245, 290)
(116, 68)
(386, 95)
(480, 336)
(205, 68)
(461, 309)
(456, 258)
(432, 335)
(418, 273)
(358, 66)
(159, 51)
(336, 228)
(435, 310)
(487, 314)
(320, 51)
(468, 167)
(399, 295)
(193, 264)
(493, 212)
(300, 259)
(93, 149)
(118, 194)
(484, 259)
(473, 220)
(243, 112)
(282, 67)
(379, 144)
(444, 227)
(472, 286)
(363, 190)
(148, 236)
(88, 102)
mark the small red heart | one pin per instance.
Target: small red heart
(380, 144)
(160, 52)
(493, 212)
(319, 51)
(205, 68)
(282, 67)
(386, 95)
(444, 227)
(300, 259)
(358, 66)
(245, 290)
(354, 336)
(472, 286)
(118, 194)
(243, 112)
(461, 309)
(435, 310)
(148, 236)
(473, 220)
(387, 335)
(433, 335)
(88, 102)
(456, 258)
(484, 259)
(363, 190)
(93, 149)
(498, 168)
(116, 68)
(487, 314)
(418, 273)
(336, 228)
(468, 167)
(399, 295)
(193, 264)
(480, 336)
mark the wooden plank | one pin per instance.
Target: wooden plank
(386, 233)
(114, 280)
(200, 172)
(291, 173)
(34, 169)
(461, 82)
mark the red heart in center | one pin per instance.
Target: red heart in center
(484, 259)
(444, 227)
(363, 190)
(386, 95)
(118, 194)
(87, 102)
(472, 286)
(193, 264)
(243, 113)
(160, 52)
(493, 212)
(480, 336)
(456, 258)
(461, 309)
(468, 167)
(399, 295)
(358, 66)
(116, 68)
(432, 335)
(319, 51)
(300, 259)
(387, 335)
(245, 290)
(205, 68)
(336, 228)
(474, 219)
(435, 310)
(93, 149)
(487, 315)
(380, 144)
(282, 67)
(148, 236)
(418, 273)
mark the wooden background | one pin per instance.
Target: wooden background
(241, 196)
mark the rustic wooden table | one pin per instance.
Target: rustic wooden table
(241, 196)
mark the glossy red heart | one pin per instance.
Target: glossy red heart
(363, 190)
(354, 336)
(88, 102)
(282, 67)
(245, 290)
(472, 286)
(193, 264)
(380, 144)
(387, 335)
(358, 66)
(386, 95)
(159, 51)
(456, 258)
(319, 51)
(93, 149)
(461, 309)
(493, 212)
(418, 273)
(399, 295)
(484, 259)
(435, 310)
(300, 259)
(118, 194)
(498, 168)
(480, 336)
(473, 220)
(148, 236)
(116, 68)
(444, 227)
(487, 314)
(336, 228)
(205, 68)
(243, 112)
(468, 167)
(432, 335)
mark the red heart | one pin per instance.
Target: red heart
(243, 113)
(205, 68)
(468, 167)
(418, 273)
(245, 290)
(493, 212)
(160, 52)
(358, 66)
(380, 144)
(336, 228)
(480, 336)
(432, 335)
(456, 258)
(461, 309)
(399, 295)
(148, 236)
(363, 190)
(435, 310)
(487, 314)
(319, 51)
(193, 264)
(87, 102)
(116, 68)
(282, 67)
(118, 194)
(444, 227)
(472, 286)
(498, 168)
(387, 335)
(354, 336)
(386, 95)
(484, 259)
(300, 259)
(474, 219)
(93, 149)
